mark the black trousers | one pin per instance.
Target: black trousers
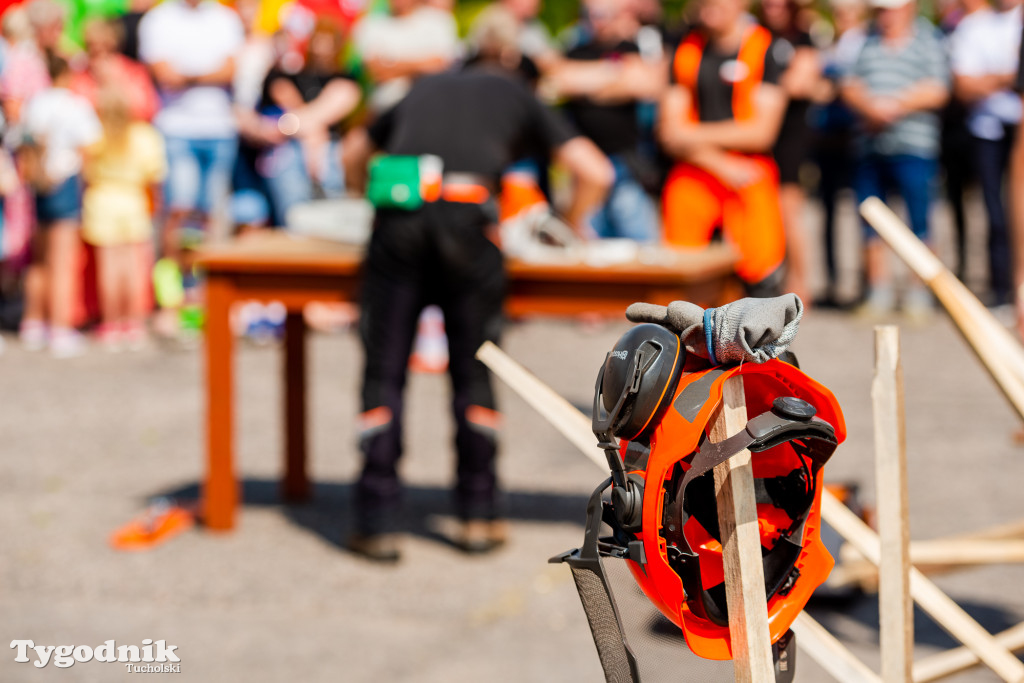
(439, 255)
(991, 158)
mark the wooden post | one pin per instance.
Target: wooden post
(895, 608)
(741, 546)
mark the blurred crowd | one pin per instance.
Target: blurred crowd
(132, 132)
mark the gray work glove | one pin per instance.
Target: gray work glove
(748, 330)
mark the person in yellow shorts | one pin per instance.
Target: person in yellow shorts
(719, 120)
(122, 171)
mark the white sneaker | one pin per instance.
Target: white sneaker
(66, 343)
(33, 335)
(918, 305)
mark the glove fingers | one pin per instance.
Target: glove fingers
(647, 313)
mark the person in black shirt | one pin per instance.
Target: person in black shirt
(310, 105)
(801, 78)
(604, 78)
(476, 121)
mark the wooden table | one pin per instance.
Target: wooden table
(297, 272)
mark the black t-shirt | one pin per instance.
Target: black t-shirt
(130, 30)
(477, 121)
(715, 80)
(526, 69)
(308, 83)
(783, 49)
(612, 127)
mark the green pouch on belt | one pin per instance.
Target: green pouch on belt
(394, 182)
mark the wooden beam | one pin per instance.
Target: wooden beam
(829, 653)
(573, 425)
(951, 661)
(937, 604)
(741, 546)
(895, 608)
(561, 414)
(940, 556)
(1001, 355)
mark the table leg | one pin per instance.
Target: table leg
(220, 492)
(296, 484)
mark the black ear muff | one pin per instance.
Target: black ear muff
(636, 381)
(634, 386)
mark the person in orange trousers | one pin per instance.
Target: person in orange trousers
(719, 120)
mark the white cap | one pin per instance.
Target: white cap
(887, 4)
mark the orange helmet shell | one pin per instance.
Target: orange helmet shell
(694, 403)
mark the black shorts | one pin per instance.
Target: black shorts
(792, 147)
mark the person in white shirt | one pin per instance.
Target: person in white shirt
(58, 125)
(414, 40)
(983, 57)
(190, 46)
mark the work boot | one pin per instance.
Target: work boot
(479, 536)
(381, 548)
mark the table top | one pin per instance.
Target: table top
(280, 253)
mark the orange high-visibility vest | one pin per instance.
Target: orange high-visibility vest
(686, 67)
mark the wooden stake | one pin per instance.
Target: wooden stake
(895, 608)
(825, 649)
(741, 546)
(829, 653)
(937, 604)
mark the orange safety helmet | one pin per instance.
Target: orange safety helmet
(663, 511)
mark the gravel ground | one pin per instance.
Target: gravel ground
(88, 441)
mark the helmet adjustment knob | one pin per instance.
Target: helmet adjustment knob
(794, 408)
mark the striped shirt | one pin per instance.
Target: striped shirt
(889, 70)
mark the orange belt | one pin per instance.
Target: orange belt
(462, 191)
(465, 193)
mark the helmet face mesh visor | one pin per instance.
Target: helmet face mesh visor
(616, 659)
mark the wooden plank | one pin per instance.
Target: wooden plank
(960, 658)
(741, 546)
(895, 608)
(937, 604)
(829, 653)
(941, 556)
(1001, 355)
(574, 426)
(562, 415)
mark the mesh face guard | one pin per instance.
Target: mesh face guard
(791, 421)
(617, 659)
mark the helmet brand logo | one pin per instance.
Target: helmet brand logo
(621, 355)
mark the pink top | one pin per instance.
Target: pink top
(130, 77)
(24, 73)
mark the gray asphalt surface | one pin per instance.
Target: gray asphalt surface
(86, 443)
